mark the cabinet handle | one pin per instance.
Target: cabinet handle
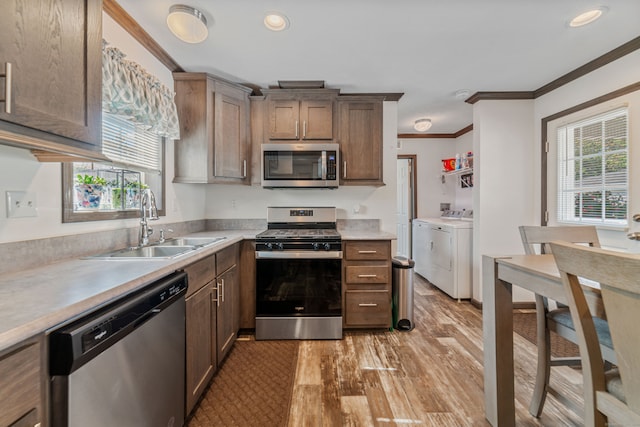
(344, 169)
(367, 275)
(297, 126)
(244, 168)
(367, 252)
(7, 87)
(222, 289)
(304, 129)
(369, 304)
(217, 298)
(431, 244)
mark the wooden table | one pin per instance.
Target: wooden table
(536, 273)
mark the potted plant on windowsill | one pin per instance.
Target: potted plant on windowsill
(132, 191)
(89, 190)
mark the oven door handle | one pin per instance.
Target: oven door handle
(299, 255)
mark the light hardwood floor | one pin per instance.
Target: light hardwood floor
(430, 376)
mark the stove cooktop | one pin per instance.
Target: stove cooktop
(299, 234)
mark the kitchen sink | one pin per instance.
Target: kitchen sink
(147, 252)
(190, 241)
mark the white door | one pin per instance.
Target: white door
(403, 211)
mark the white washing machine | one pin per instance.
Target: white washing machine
(442, 252)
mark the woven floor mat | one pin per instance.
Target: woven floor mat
(524, 324)
(252, 388)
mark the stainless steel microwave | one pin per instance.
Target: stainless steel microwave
(300, 165)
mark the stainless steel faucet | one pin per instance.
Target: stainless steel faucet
(148, 211)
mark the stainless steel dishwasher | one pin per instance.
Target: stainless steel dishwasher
(123, 365)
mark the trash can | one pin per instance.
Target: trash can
(402, 293)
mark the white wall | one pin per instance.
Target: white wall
(616, 75)
(430, 189)
(503, 146)
(232, 201)
(19, 171)
(507, 148)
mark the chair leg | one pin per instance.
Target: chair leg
(544, 361)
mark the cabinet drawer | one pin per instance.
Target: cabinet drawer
(200, 273)
(367, 308)
(226, 258)
(364, 250)
(367, 273)
(20, 385)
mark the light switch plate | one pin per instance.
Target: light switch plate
(21, 204)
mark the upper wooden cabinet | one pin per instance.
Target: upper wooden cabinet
(302, 115)
(360, 138)
(51, 74)
(214, 130)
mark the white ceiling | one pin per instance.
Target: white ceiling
(426, 49)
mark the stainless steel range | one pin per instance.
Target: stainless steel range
(299, 275)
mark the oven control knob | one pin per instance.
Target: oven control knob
(280, 246)
(315, 246)
(326, 246)
(269, 246)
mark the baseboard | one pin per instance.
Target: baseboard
(523, 305)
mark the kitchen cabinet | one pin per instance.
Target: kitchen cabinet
(201, 359)
(301, 115)
(22, 375)
(360, 139)
(367, 284)
(214, 145)
(51, 75)
(227, 300)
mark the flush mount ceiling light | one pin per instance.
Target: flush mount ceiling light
(422, 125)
(587, 17)
(276, 21)
(187, 23)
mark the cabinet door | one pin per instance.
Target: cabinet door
(361, 142)
(227, 311)
(200, 359)
(20, 386)
(317, 119)
(54, 51)
(231, 133)
(284, 119)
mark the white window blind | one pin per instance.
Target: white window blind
(593, 170)
(130, 145)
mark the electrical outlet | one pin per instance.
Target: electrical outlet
(21, 204)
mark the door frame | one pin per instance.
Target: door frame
(414, 182)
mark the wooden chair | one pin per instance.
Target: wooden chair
(610, 398)
(536, 239)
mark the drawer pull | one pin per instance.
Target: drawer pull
(368, 304)
(366, 276)
(367, 252)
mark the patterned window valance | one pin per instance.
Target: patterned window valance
(128, 90)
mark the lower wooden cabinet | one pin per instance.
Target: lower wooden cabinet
(212, 318)
(367, 284)
(200, 357)
(21, 386)
(228, 300)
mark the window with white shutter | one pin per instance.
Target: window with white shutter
(593, 164)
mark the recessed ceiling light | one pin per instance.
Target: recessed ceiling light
(462, 94)
(587, 17)
(422, 125)
(187, 23)
(276, 21)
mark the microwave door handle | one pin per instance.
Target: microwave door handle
(323, 162)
